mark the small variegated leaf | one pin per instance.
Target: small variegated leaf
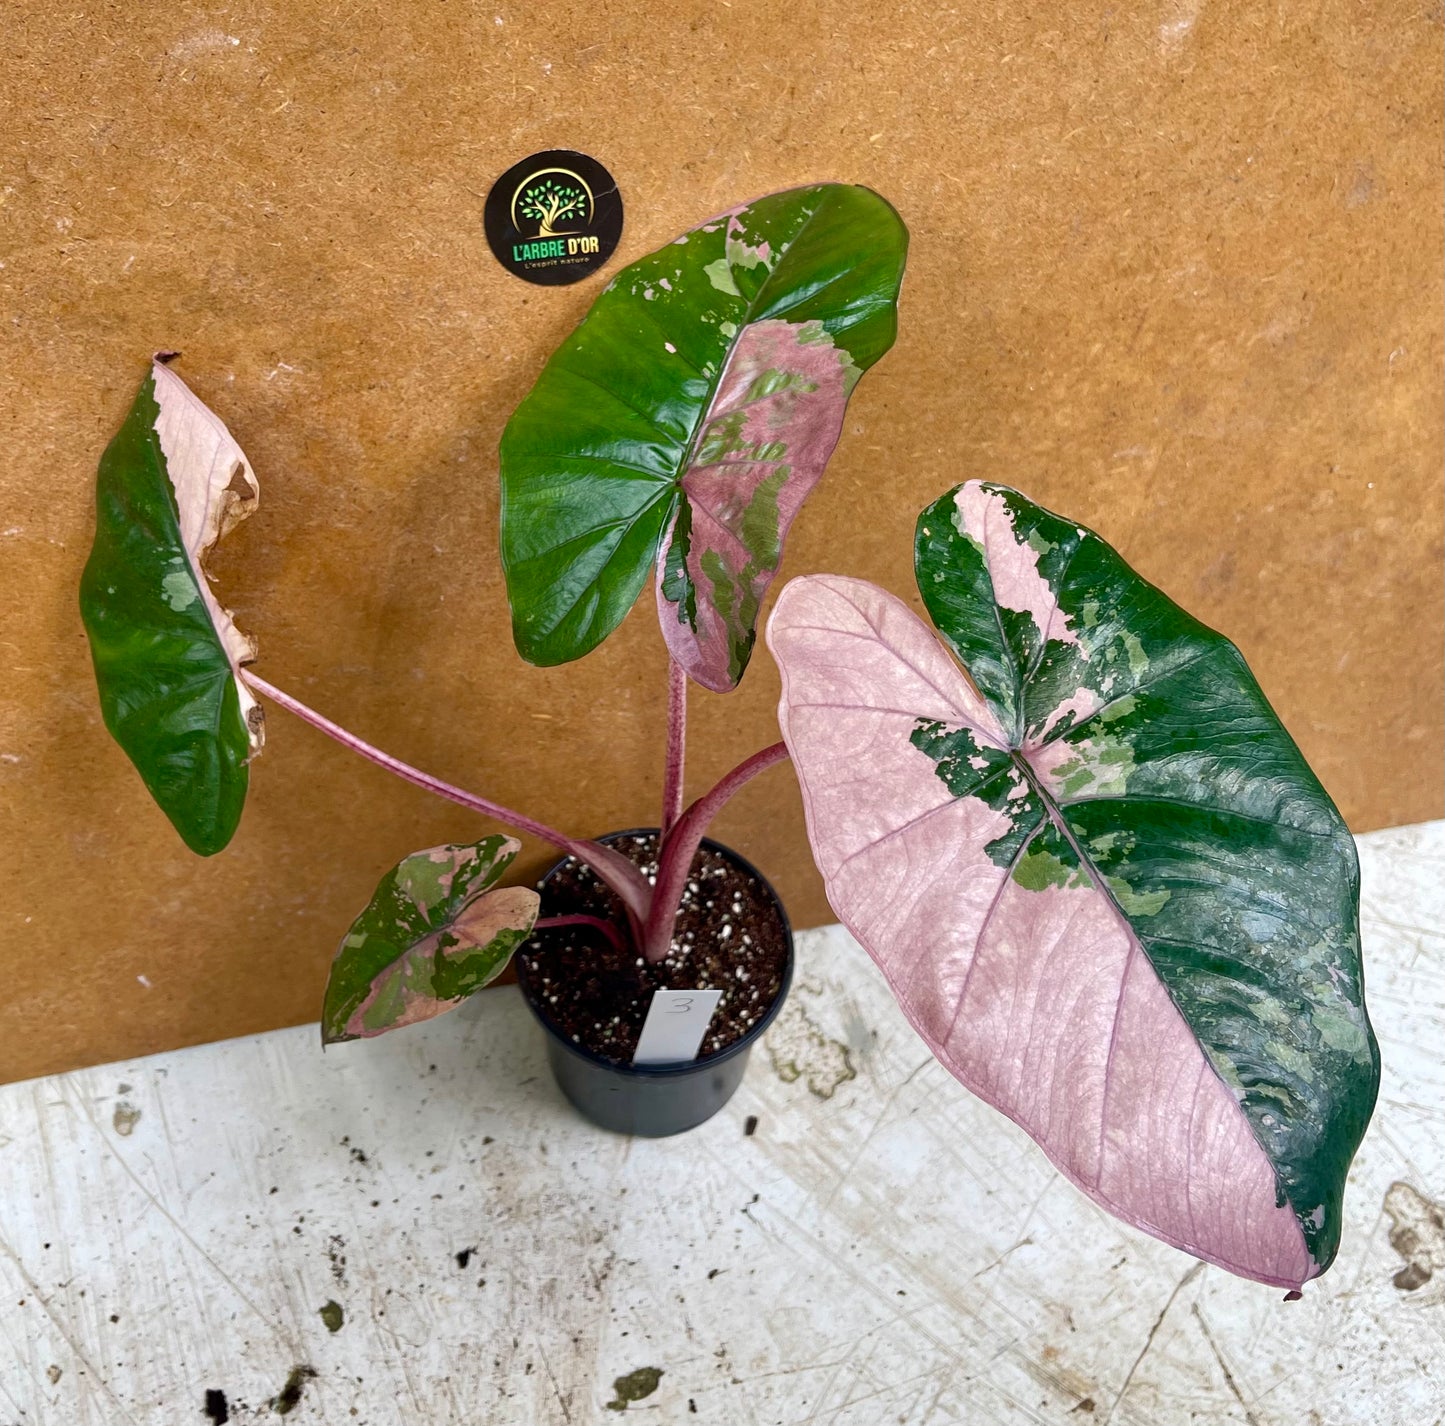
(1097, 872)
(435, 932)
(686, 420)
(167, 656)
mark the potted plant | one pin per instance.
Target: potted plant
(681, 426)
(1094, 869)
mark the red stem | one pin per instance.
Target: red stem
(672, 776)
(677, 852)
(612, 867)
(578, 919)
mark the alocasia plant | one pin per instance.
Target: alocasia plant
(704, 391)
(1099, 876)
(1093, 867)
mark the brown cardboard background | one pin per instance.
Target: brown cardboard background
(1175, 272)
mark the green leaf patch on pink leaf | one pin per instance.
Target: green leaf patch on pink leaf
(435, 932)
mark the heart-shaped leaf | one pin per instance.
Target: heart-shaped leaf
(690, 414)
(434, 932)
(167, 655)
(1099, 876)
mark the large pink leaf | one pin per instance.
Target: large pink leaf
(1023, 977)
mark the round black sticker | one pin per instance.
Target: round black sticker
(554, 217)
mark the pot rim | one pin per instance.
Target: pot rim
(683, 1067)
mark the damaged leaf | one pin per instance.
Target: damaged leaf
(435, 931)
(167, 656)
(686, 420)
(1098, 874)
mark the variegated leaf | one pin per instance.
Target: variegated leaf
(434, 933)
(1097, 872)
(772, 424)
(686, 420)
(167, 656)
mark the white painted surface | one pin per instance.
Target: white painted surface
(884, 1249)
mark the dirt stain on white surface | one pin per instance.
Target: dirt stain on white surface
(1417, 1234)
(289, 1397)
(125, 1118)
(800, 1050)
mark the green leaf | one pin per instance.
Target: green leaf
(702, 397)
(167, 656)
(434, 933)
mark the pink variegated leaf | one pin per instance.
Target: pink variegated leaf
(1098, 875)
(437, 930)
(774, 420)
(167, 656)
(687, 418)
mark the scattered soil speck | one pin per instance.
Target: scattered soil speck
(125, 1118)
(464, 1257)
(336, 1252)
(1087, 1404)
(634, 1386)
(290, 1395)
(332, 1315)
(53, 1374)
(750, 1126)
(216, 1409)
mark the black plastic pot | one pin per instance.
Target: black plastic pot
(653, 1101)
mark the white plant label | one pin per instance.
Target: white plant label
(676, 1022)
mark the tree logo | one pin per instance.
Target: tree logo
(551, 197)
(554, 217)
